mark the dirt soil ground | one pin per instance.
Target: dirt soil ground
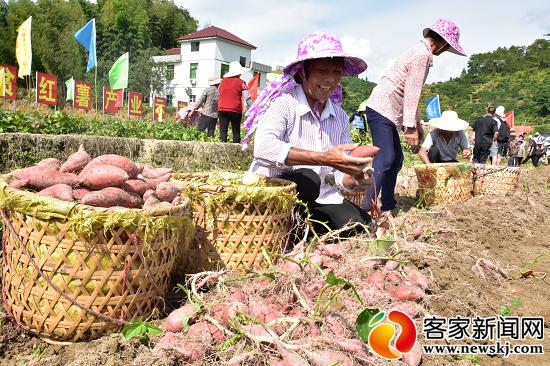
(511, 232)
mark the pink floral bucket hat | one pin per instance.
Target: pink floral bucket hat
(321, 45)
(450, 33)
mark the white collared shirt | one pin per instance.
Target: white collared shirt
(289, 122)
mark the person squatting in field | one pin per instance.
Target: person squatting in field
(302, 133)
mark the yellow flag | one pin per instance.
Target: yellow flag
(2, 82)
(23, 51)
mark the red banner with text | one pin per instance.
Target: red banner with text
(46, 88)
(159, 109)
(82, 95)
(10, 82)
(135, 104)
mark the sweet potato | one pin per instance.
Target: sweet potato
(79, 193)
(139, 167)
(406, 292)
(264, 311)
(76, 162)
(175, 321)
(407, 307)
(153, 173)
(334, 325)
(417, 278)
(376, 279)
(120, 162)
(328, 358)
(19, 183)
(41, 177)
(103, 176)
(189, 350)
(176, 201)
(364, 151)
(154, 182)
(217, 335)
(393, 277)
(112, 196)
(349, 345)
(136, 186)
(60, 191)
(167, 191)
(256, 330)
(332, 250)
(414, 356)
(148, 193)
(51, 163)
(391, 265)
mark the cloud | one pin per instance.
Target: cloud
(378, 31)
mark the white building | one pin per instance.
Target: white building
(204, 54)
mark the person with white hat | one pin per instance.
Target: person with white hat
(393, 106)
(302, 133)
(230, 106)
(442, 143)
(209, 103)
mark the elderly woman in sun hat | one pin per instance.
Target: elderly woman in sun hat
(230, 106)
(442, 143)
(393, 106)
(209, 103)
(302, 133)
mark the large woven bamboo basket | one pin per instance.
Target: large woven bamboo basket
(443, 183)
(357, 198)
(495, 180)
(236, 225)
(75, 272)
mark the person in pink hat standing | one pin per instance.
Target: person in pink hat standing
(302, 133)
(393, 106)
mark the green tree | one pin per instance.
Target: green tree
(167, 22)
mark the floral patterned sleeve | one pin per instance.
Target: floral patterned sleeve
(417, 72)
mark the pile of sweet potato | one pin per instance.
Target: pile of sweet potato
(105, 181)
(279, 313)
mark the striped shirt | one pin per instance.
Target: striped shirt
(289, 122)
(397, 95)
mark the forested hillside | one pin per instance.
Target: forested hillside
(517, 78)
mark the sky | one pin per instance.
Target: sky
(377, 31)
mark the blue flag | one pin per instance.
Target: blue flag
(86, 37)
(433, 109)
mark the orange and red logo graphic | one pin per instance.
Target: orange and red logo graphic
(381, 334)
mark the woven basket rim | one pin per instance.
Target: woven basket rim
(284, 185)
(493, 168)
(435, 166)
(48, 202)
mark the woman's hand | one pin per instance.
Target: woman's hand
(412, 136)
(338, 158)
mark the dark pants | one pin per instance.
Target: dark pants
(209, 123)
(387, 163)
(503, 148)
(225, 119)
(534, 157)
(336, 216)
(435, 156)
(480, 154)
(514, 161)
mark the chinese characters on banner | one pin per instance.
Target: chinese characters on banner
(109, 100)
(46, 88)
(182, 104)
(135, 104)
(82, 95)
(159, 109)
(10, 82)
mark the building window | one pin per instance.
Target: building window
(225, 69)
(169, 72)
(193, 71)
(242, 61)
(192, 98)
(195, 46)
(169, 100)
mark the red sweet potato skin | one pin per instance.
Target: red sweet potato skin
(79, 193)
(19, 183)
(120, 162)
(60, 191)
(364, 151)
(154, 182)
(41, 177)
(112, 196)
(76, 162)
(136, 186)
(50, 162)
(103, 176)
(153, 173)
(167, 191)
